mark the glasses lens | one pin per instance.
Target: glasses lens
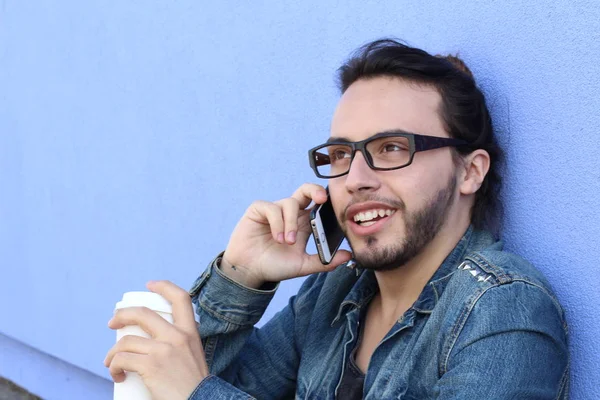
(389, 152)
(333, 159)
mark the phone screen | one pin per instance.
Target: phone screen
(333, 232)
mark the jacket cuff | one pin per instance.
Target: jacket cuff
(215, 388)
(229, 300)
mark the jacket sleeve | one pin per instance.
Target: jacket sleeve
(245, 361)
(511, 344)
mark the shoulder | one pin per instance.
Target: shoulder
(497, 268)
(506, 267)
(498, 294)
(508, 288)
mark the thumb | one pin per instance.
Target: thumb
(340, 257)
(312, 263)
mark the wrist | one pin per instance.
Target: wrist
(239, 274)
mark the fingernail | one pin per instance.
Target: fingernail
(291, 236)
(280, 237)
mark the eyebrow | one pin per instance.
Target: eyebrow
(336, 139)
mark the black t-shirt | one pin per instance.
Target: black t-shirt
(353, 379)
(351, 387)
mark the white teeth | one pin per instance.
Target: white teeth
(369, 223)
(371, 214)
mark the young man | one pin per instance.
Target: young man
(429, 307)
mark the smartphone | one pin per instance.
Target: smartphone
(327, 233)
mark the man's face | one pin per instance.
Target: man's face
(418, 197)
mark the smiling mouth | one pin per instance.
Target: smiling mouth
(370, 217)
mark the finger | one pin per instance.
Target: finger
(290, 209)
(340, 257)
(129, 344)
(272, 212)
(152, 323)
(122, 362)
(309, 192)
(312, 263)
(183, 311)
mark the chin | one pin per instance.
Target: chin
(370, 252)
(382, 259)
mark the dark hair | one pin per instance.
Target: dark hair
(463, 108)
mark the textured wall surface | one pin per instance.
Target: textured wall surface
(49, 376)
(133, 135)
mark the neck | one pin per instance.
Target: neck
(400, 288)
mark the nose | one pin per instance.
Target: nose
(361, 178)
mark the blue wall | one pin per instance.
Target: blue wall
(134, 134)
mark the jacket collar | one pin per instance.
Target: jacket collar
(365, 287)
(361, 293)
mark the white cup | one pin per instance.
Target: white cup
(133, 388)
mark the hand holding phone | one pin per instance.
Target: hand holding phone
(269, 242)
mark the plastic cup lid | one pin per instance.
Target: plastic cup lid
(153, 301)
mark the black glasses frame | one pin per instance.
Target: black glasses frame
(416, 143)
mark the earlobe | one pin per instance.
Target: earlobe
(477, 165)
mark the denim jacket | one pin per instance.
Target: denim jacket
(486, 326)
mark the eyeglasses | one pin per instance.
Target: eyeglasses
(383, 152)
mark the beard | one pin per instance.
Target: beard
(420, 228)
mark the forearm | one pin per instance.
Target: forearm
(241, 354)
(227, 312)
(224, 305)
(237, 353)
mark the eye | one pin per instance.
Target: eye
(339, 153)
(392, 147)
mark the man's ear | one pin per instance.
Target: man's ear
(476, 167)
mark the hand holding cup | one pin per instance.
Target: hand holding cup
(170, 359)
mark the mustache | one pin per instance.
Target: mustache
(393, 203)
